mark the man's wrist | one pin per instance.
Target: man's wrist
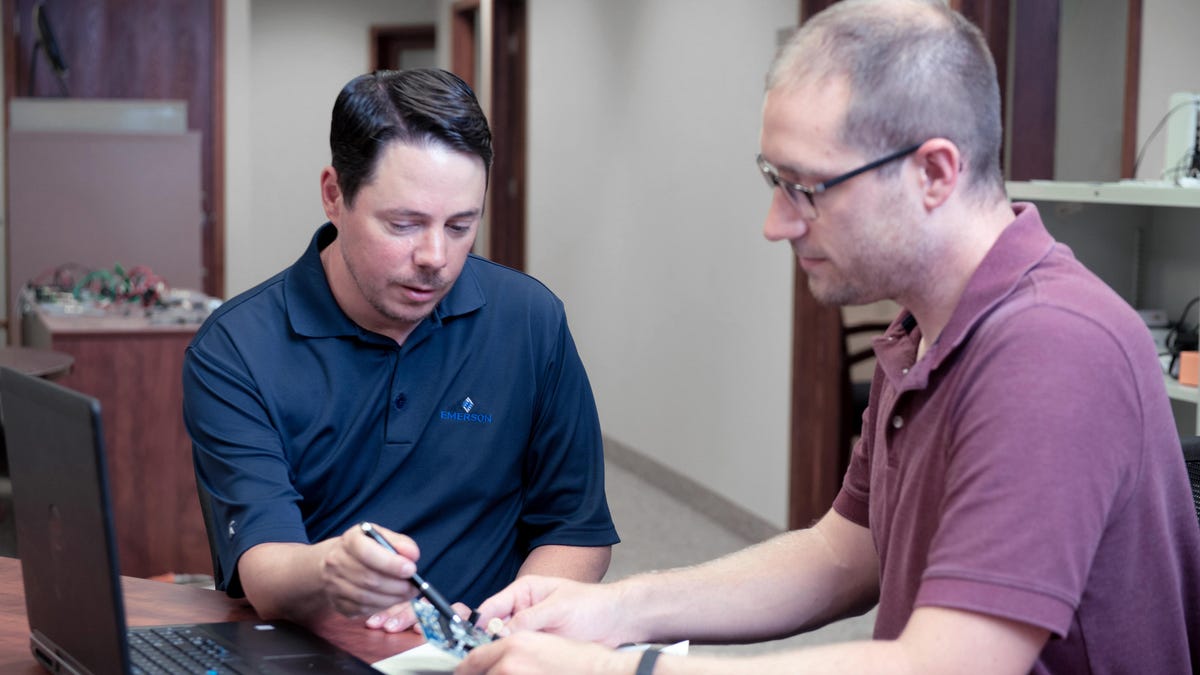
(643, 611)
(646, 663)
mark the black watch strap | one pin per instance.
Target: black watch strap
(646, 664)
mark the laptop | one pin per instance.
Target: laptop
(67, 546)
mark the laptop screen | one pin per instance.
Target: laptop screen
(63, 521)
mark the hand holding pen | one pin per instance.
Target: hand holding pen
(423, 586)
(450, 632)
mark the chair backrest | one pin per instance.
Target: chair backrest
(221, 577)
(1191, 457)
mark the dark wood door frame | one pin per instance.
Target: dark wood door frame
(388, 41)
(464, 40)
(214, 232)
(506, 191)
(1133, 69)
(506, 243)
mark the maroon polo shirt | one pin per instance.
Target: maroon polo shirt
(1028, 467)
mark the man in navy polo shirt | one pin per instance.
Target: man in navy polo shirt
(389, 376)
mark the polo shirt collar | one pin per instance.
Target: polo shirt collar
(1022, 245)
(313, 312)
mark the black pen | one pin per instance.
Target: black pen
(428, 591)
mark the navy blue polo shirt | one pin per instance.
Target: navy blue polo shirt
(478, 437)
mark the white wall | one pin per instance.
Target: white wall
(286, 60)
(1170, 53)
(645, 212)
(1091, 90)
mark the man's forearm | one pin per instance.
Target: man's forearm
(581, 563)
(284, 581)
(798, 580)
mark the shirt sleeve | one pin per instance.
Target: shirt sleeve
(565, 502)
(853, 498)
(238, 456)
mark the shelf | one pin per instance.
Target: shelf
(1138, 193)
(1181, 392)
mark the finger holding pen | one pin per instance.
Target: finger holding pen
(384, 579)
(390, 542)
(364, 579)
(423, 587)
(401, 616)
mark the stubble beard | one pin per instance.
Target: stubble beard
(375, 295)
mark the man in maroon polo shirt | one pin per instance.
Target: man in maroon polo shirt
(1018, 501)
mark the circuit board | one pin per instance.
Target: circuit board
(454, 639)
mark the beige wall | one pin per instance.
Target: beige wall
(645, 212)
(286, 60)
(1170, 52)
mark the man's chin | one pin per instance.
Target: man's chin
(404, 315)
(833, 296)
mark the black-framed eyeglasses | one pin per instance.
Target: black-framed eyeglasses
(808, 206)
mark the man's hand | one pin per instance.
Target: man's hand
(350, 574)
(361, 577)
(589, 612)
(535, 653)
(402, 617)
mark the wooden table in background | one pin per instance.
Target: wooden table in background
(153, 603)
(133, 367)
(36, 362)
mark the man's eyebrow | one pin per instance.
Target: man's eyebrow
(403, 213)
(469, 213)
(793, 169)
(414, 213)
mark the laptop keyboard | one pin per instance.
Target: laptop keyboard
(180, 649)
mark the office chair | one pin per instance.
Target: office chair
(855, 392)
(1191, 457)
(859, 389)
(220, 577)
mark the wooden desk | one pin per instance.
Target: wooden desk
(133, 367)
(152, 602)
(36, 362)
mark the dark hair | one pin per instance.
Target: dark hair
(422, 105)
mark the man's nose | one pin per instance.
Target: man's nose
(431, 249)
(783, 219)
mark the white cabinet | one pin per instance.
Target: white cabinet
(1142, 238)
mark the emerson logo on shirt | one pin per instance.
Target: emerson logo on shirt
(466, 415)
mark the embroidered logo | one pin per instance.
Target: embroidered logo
(466, 415)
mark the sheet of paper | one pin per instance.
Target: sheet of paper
(427, 659)
(678, 649)
(423, 660)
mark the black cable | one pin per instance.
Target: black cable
(1174, 343)
(1158, 128)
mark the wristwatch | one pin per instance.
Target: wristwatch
(646, 664)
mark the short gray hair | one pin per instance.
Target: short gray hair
(916, 70)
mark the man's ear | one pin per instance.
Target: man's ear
(331, 194)
(940, 164)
